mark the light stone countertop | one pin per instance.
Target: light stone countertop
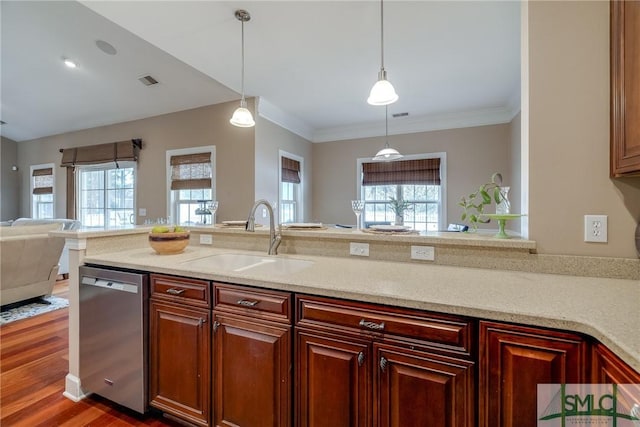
(606, 309)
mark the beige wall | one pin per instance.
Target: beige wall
(270, 138)
(10, 180)
(569, 132)
(473, 155)
(192, 128)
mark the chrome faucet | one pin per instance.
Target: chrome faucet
(274, 234)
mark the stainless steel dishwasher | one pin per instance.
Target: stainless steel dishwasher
(114, 335)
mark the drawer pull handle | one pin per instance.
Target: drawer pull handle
(372, 325)
(383, 364)
(247, 303)
(360, 358)
(174, 291)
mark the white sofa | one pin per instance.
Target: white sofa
(67, 224)
(28, 261)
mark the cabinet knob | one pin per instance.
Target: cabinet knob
(216, 325)
(360, 358)
(383, 363)
(371, 325)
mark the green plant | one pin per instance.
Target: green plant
(473, 205)
(399, 206)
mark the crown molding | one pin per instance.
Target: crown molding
(270, 112)
(483, 117)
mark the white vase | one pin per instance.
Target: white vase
(504, 207)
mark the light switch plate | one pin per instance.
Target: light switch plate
(359, 249)
(206, 239)
(142, 211)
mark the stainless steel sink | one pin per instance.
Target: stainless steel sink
(244, 262)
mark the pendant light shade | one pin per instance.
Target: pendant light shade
(242, 116)
(387, 154)
(382, 92)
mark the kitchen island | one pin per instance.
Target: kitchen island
(602, 308)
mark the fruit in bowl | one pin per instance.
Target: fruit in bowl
(168, 240)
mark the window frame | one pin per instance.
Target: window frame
(105, 167)
(172, 213)
(442, 206)
(299, 202)
(32, 209)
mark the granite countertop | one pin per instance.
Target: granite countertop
(607, 309)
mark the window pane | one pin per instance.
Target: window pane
(106, 196)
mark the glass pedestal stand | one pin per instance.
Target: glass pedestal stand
(502, 221)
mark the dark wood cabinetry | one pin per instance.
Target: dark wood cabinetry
(607, 368)
(385, 367)
(625, 88)
(514, 360)
(252, 363)
(180, 348)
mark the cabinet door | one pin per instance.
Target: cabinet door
(251, 372)
(333, 380)
(180, 352)
(514, 360)
(421, 389)
(625, 88)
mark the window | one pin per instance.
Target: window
(42, 191)
(106, 194)
(190, 182)
(417, 180)
(290, 188)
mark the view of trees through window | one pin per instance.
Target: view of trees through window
(423, 212)
(106, 196)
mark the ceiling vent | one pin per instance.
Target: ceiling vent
(148, 80)
(396, 115)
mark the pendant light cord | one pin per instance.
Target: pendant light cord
(386, 127)
(382, 34)
(242, 81)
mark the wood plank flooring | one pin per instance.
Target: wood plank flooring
(33, 366)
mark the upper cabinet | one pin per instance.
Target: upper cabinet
(625, 88)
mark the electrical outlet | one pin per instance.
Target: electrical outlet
(206, 239)
(595, 228)
(142, 212)
(423, 253)
(359, 249)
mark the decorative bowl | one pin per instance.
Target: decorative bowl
(169, 243)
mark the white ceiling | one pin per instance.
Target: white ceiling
(312, 63)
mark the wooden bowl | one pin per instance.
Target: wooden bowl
(169, 243)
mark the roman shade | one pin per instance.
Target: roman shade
(191, 171)
(290, 170)
(410, 172)
(43, 181)
(101, 153)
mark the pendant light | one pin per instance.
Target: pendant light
(382, 92)
(387, 154)
(242, 116)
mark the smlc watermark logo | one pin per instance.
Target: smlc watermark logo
(602, 405)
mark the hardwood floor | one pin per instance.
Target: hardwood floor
(33, 366)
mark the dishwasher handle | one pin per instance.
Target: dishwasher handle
(109, 284)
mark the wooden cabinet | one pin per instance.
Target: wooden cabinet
(252, 363)
(514, 360)
(625, 88)
(362, 364)
(607, 368)
(180, 348)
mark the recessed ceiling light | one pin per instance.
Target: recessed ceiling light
(69, 63)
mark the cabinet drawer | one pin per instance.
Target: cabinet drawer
(253, 302)
(179, 289)
(422, 329)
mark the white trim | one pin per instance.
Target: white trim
(53, 173)
(483, 117)
(181, 152)
(76, 244)
(270, 112)
(524, 118)
(442, 211)
(72, 388)
(300, 210)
